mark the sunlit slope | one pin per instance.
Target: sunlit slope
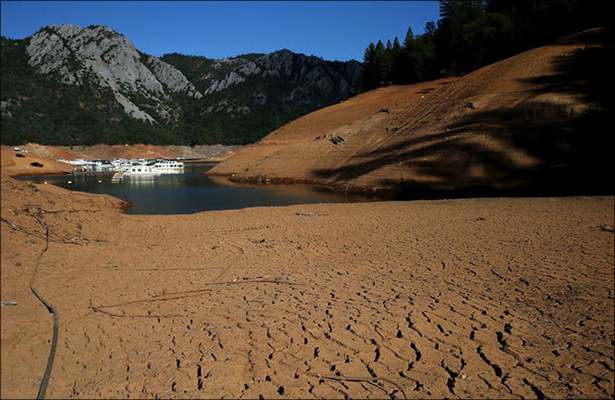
(526, 121)
(313, 127)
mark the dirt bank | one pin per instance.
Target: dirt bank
(108, 152)
(19, 163)
(480, 298)
(532, 123)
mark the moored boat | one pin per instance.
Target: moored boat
(156, 167)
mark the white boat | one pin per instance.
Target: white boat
(158, 166)
(168, 166)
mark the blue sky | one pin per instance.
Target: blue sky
(333, 30)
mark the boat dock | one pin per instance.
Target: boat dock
(117, 177)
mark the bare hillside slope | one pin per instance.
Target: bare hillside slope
(531, 122)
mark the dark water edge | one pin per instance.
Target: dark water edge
(193, 191)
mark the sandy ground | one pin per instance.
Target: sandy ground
(480, 298)
(14, 165)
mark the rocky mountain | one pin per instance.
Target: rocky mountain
(261, 90)
(72, 85)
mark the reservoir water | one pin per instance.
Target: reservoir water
(193, 191)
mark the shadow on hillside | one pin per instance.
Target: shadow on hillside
(573, 149)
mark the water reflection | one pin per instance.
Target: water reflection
(148, 180)
(193, 191)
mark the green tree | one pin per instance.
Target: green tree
(474, 33)
(381, 67)
(409, 38)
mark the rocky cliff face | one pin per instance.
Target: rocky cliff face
(100, 56)
(183, 99)
(304, 71)
(252, 85)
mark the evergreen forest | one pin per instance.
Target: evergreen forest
(471, 34)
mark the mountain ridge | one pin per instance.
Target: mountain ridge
(105, 85)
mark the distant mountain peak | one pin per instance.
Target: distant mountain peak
(107, 82)
(98, 55)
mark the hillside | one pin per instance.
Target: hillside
(69, 85)
(528, 124)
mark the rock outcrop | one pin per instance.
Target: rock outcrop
(307, 73)
(99, 56)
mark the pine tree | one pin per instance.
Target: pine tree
(396, 75)
(409, 38)
(396, 47)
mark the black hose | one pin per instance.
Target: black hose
(54, 341)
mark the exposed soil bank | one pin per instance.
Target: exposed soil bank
(475, 298)
(108, 152)
(532, 122)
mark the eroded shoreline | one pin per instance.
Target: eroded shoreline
(492, 298)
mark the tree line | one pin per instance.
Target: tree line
(471, 34)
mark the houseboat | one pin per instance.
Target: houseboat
(158, 166)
